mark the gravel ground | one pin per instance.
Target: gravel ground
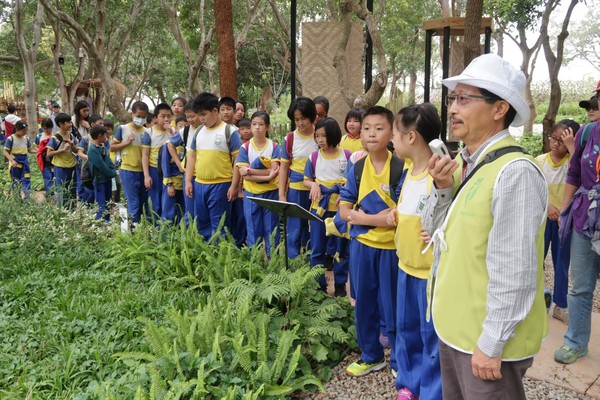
(380, 385)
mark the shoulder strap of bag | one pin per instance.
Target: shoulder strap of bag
(489, 158)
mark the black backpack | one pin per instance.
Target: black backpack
(85, 174)
(396, 172)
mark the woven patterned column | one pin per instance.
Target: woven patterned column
(319, 78)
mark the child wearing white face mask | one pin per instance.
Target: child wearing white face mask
(128, 140)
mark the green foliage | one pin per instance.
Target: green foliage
(567, 110)
(267, 328)
(525, 14)
(88, 313)
(532, 143)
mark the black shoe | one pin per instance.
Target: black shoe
(340, 290)
(328, 262)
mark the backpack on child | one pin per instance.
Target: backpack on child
(85, 173)
(396, 174)
(42, 154)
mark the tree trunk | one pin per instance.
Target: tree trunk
(554, 61)
(194, 60)
(226, 49)
(472, 48)
(412, 87)
(499, 38)
(340, 63)
(29, 56)
(96, 51)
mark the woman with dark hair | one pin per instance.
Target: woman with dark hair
(81, 112)
(81, 128)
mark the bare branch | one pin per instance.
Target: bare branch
(175, 28)
(10, 59)
(118, 53)
(282, 21)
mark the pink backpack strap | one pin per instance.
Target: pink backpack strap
(289, 144)
(313, 159)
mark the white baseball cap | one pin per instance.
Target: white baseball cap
(496, 75)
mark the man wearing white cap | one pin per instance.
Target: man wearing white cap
(486, 216)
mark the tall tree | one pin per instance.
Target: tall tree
(554, 61)
(104, 44)
(584, 41)
(67, 96)
(403, 40)
(349, 8)
(194, 59)
(28, 55)
(474, 12)
(226, 49)
(516, 19)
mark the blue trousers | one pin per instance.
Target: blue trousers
(21, 178)
(210, 203)
(320, 244)
(260, 222)
(238, 222)
(84, 194)
(65, 186)
(190, 212)
(135, 194)
(297, 228)
(155, 193)
(48, 176)
(374, 274)
(561, 256)
(585, 265)
(103, 194)
(417, 352)
(172, 207)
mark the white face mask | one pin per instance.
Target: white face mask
(139, 121)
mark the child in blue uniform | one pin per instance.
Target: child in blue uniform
(555, 166)
(417, 355)
(324, 175)
(43, 160)
(373, 260)
(259, 168)
(62, 149)
(128, 140)
(173, 204)
(293, 153)
(102, 168)
(152, 140)
(16, 148)
(210, 160)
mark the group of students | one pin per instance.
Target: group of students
(370, 187)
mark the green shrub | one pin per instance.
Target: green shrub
(80, 302)
(570, 110)
(532, 143)
(247, 307)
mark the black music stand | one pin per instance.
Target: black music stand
(284, 210)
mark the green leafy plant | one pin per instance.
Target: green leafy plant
(532, 143)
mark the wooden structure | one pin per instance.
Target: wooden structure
(447, 27)
(89, 88)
